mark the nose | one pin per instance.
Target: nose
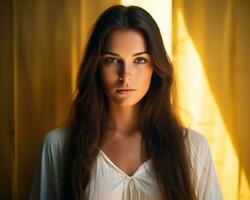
(125, 72)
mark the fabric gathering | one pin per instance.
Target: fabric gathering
(119, 186)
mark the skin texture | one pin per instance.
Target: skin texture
(120, 59)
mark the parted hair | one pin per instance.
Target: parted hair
(162, 131)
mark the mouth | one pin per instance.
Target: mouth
(125, 91)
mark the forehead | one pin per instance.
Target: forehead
(128, 40)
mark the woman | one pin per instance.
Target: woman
(124, 140)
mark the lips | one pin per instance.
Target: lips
(125, 91)
(120, 90)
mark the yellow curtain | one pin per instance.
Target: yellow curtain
(210, 55)
(6, 99)
(41, 51)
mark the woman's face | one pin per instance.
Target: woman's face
(125, 65)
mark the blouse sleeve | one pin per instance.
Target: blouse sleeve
(207, 183)
(46, 181)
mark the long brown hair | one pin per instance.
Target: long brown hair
(162, 131)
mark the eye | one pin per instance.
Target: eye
(140, 60)
(111, 60)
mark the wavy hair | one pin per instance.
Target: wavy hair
(162, 131)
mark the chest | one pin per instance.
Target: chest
(109, 183)
(125, 152)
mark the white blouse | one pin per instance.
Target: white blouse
(108, 182)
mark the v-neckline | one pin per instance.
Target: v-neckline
(121, 171)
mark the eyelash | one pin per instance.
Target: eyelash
(107, 60)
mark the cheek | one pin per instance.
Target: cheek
(107, 79)
(145, 78)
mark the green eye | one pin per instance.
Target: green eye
(111, 60)
(140, 60)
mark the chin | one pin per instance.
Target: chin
(125, 104)
(126, 101)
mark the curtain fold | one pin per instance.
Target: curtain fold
(48, 43)
(210, 55)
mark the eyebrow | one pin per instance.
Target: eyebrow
(115, 54)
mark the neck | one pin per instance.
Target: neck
(123, 119)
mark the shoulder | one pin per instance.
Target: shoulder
(53, 142)
(47, 178)
(197, 140)
(52, 148)
(55, 136)
(198, 146)
(207, 186)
